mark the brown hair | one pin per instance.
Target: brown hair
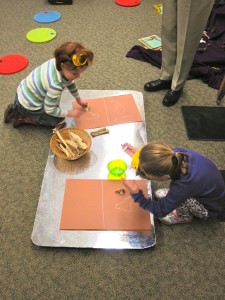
(159, 159)
(65, 52)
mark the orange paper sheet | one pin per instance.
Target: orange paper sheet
(93, 205)
(109, 111)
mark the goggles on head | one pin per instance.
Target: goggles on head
(141, 172)
(76, 61)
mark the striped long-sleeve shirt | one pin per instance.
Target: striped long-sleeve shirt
(43, 87)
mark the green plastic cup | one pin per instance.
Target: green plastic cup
(113, 177)
(117, 169)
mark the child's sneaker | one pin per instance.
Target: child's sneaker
(9, 114)
(173, 218)
(161, 193)
(21, 120)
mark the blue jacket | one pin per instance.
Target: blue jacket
(203, 181)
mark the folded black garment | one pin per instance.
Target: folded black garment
(204, 123)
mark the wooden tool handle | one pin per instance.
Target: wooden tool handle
(96, 133)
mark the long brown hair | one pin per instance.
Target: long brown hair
(159, 159)
(64, 54)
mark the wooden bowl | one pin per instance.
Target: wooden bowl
(86, 138)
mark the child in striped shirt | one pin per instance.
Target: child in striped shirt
(37, 100)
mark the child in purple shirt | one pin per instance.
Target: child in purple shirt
(196, 189)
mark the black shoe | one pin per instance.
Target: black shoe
(157, 85)
(172, 97)
(9, 114)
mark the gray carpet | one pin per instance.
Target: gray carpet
(188, 260)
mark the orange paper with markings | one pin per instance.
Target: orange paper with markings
(109, 111)
(93, 205)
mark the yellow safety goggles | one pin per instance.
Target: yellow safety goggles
(76, 61)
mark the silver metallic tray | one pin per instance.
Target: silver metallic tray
(104, 148)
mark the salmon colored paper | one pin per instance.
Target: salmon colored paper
(109, 111)
(93, 204)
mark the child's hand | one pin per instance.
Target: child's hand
(74, 113)
(129, 149)
(131, 185)
(82, 102)
(74, 104)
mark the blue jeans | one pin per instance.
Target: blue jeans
(39, 115)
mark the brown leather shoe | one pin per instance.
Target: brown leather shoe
(157, 85)
(172, 97)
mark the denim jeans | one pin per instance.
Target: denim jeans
(36, 115)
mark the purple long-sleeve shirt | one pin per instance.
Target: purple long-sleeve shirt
(203, 181)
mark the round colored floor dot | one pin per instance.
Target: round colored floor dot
(12, 63)
(128, 2)
(47, 16)
(41, 35)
